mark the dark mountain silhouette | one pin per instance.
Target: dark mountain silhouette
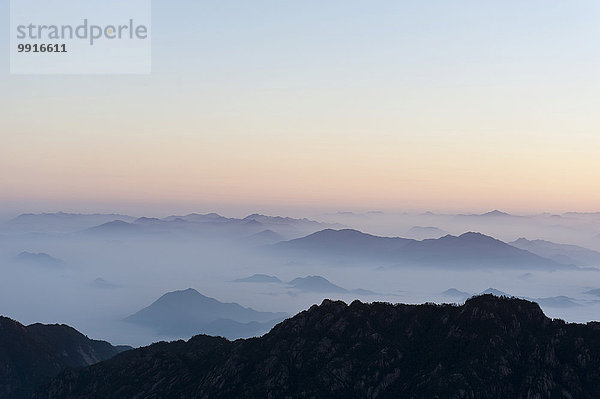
(547, 302)
(561, 253)
(470, 250)
(258, 278)
(38, 259)
(185, 313)
(495, 292)
(32, 355)
(501, 348)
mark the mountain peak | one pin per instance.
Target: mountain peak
(476, 236)
(496, 213)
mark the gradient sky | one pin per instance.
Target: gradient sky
(312, 104)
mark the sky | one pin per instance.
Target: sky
(286, 106)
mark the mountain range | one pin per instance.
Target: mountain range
(469, 250)
(32, 355)
(490, 347)
(255, 229)
(565, 254)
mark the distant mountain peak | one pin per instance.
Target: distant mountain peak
(476, 236)
(315, 284)
(493, 214)
(496, 212)
(183, 313)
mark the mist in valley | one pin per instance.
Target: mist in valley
(95, 271)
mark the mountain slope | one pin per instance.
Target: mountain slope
(469, 250)
(32, 355)
(488, 348)
(186, 313)
(347, 242)
(562, 253)
(423, 233)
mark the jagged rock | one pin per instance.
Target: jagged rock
(488, 348)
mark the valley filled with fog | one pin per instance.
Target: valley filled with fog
(95, 272)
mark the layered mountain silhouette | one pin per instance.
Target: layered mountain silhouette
(32, 355)
(561, 253)
(185, 313)
(256, 229)
(470, 250)
(490, 347)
